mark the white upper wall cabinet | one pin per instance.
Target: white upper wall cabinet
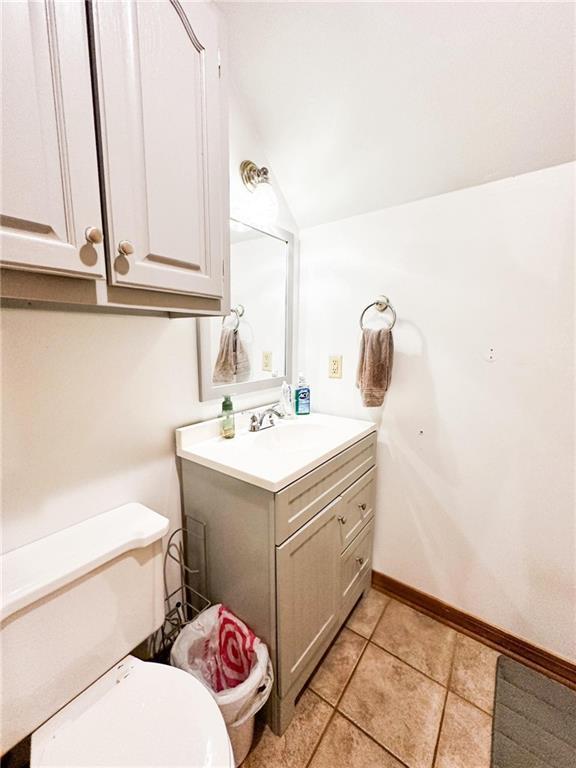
(50, 194)
(163, 132)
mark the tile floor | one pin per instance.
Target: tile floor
(397, 689)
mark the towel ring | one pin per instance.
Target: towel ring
(382, 303)
(238, 310)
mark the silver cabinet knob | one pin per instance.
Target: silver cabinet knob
(125, 248)
(360, 560)
(362, 507)
(341, 519)
(93, 235)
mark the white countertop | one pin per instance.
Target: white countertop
(275, 457)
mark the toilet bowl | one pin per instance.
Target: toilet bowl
(138, 714)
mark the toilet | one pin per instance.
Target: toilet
(74, 604)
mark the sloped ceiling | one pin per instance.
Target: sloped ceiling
(367, 105)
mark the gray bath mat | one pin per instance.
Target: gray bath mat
(534, 720)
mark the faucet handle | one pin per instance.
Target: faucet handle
(254, 422)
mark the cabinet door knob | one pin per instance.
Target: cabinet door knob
(93, 235)
(362, 507)
(125, 248)
(342, 519)
(360, 560)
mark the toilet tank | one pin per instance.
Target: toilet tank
(73, 604)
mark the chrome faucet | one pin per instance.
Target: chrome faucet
(257, 418)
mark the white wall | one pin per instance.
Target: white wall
(476, 458)
(90, 402)
(364, 105)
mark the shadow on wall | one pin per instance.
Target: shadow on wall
(93, 402)
(419, 472)
(425, 441)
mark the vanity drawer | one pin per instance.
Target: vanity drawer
(300, 501)
(355, 565)
(357, 507)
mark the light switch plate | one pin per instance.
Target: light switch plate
(267, 361)
(335, 367)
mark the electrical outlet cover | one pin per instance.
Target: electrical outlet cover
(335, 366)
(267, 361)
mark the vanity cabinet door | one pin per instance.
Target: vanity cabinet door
(307, 566)
(50, 193)
(164, 142)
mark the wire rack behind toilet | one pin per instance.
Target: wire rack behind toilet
(187, 600)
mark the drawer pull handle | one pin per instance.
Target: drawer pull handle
(341, 519)
(362, 507)
(360, 560)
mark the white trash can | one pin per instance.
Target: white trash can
(239, 704)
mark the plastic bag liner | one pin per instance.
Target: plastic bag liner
(214, 632)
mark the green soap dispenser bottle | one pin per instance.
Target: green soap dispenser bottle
(227, 429)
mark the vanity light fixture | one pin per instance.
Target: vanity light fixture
(252, 175)
(264, 204)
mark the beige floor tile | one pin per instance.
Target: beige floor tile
(474, 672)
(465, 739)
(334, 672)
(295, 747)
(364, 617)
(396, 705)
(345, 746)
(417, 639)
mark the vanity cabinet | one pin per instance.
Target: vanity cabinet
(115, 157)
(291, 563)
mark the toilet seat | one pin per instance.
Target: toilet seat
(137, 714)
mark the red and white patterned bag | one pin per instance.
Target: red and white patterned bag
(229, 653)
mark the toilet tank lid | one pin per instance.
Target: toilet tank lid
(38, 569)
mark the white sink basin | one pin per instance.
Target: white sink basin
(294, 436)
(274, 457)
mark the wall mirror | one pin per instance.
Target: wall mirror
(251, 348)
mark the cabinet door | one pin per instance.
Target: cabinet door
(307, 566)
(50, 193)
(162, 112)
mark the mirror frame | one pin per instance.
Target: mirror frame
(210, 391)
